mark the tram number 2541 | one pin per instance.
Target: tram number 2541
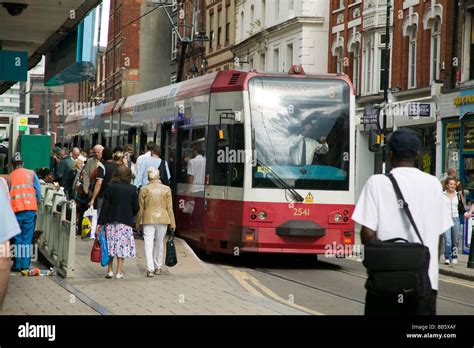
(301, 212)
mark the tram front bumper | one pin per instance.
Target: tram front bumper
(303, 228)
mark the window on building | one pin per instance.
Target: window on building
(276, 11)
(435, 49)
(276, 59)
(264, 10)
(341, 3)
(211, 30)
(289, 55)
(412, 59)
(339, 60)
(367, 56)
(251, 64)
(227, 24)
(252, 14)
(241, 24)
(174, 45)
(356, 68)
(262, 61)
(291, 9)
(383, 62)
(219, 28)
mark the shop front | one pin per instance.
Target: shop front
(458, 137)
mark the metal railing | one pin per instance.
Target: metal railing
(57, 220)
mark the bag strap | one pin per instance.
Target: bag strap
(400, 197)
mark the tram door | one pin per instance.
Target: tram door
(177, 144)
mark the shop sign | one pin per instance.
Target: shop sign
(461, 101)
(371, 115)
(465, 102)
(419, 110)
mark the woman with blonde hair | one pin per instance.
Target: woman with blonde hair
(155, 214)
(119, 157)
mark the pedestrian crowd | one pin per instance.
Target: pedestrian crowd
(407, 216)
(125, 191)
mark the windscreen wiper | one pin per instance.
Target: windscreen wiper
(280, 182)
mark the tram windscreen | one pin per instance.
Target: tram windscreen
(300, 133)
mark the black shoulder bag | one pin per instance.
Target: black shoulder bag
(397, 266)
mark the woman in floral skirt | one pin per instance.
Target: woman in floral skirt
(119, 207)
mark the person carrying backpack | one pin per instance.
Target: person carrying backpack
(416, 213)
(156, 162)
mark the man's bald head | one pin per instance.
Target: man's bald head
(75, 153)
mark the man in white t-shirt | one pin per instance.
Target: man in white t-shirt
(149, 146)
(197, 169)
(381, 218)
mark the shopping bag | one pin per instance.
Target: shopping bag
(96, 252)
(104, 256)
(171, 258)
(89, 223)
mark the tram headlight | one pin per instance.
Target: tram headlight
(337, 217)
(262, 215)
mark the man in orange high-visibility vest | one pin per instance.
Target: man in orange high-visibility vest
(25, 193)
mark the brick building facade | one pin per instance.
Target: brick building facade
(123, 53)
(422, 42)
(220, 29)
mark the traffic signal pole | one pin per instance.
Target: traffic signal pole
(386, 86)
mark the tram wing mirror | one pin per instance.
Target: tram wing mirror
(222, 135)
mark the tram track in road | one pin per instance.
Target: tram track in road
(310, 286)
(294, 270)
(359, 275)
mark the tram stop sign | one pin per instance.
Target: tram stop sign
(22, 124)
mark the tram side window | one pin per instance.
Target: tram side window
(228, 160)
(186, 154)
(237, 179)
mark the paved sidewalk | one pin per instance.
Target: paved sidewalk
(192, 287)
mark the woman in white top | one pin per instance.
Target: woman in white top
(451, 235)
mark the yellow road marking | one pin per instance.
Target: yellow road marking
(244, 278)
(457, 282)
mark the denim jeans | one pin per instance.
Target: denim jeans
(24, 248)
(451, 237)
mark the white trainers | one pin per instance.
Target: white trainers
(454, 261)
(119, 276)
(109, 275)
(447, 262)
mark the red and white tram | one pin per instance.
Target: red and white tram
(277, 157)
